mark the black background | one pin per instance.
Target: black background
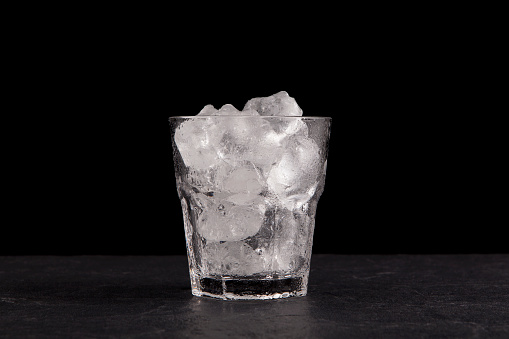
(411, 168)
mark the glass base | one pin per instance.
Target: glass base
(227, 288)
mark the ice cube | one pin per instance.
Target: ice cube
(249, 112)
(290, 241)
(249, 140)
(245, 184)
(231, 110)
(282, 132)
(222, 220)
(279, 104)
(297, 201)
(243, 180)
(290, 127)
(234, 258)
(298, 169)
(208, 110)
(227, 109)
(245, 199)
(196, 140)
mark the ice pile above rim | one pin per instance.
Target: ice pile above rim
(279, 104)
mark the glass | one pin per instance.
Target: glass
(249, 188)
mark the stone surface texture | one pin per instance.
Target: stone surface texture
(351, 296)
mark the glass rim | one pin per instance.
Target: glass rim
(249, 116)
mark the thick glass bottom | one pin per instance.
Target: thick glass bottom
(249, 288)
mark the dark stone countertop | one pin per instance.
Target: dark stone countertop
(357, 296)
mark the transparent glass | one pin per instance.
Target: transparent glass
(249, 188)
